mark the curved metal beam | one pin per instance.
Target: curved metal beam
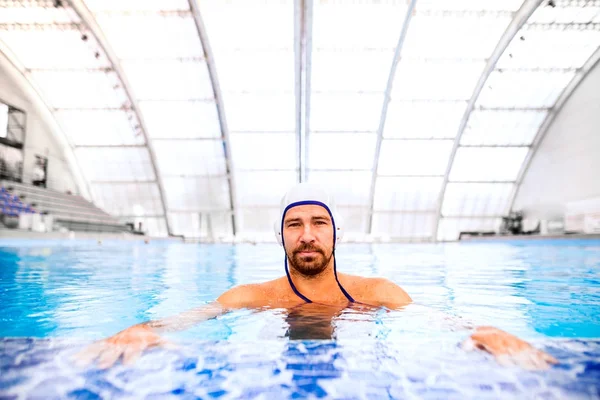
(564, 97)
(521, 16)
(88, 20)
(10, 64)
(386, 101)
(214, 80)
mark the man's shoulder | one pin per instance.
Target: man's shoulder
(377, 290)
(249, 295)
(364, 282)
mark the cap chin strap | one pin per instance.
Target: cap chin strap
(287, 271)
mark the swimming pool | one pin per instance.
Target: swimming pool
(56, 297)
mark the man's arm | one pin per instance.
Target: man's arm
(507, 348)
(131, 342)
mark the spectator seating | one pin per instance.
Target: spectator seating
(70, 211)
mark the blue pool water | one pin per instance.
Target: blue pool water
(56, 297)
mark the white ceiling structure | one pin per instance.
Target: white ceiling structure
(194, 117)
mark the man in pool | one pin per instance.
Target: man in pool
(308, 230)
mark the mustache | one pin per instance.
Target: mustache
(307, 247)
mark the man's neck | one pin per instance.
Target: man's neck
(321, 287)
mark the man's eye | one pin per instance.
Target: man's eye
(293, 225)
(321, 222)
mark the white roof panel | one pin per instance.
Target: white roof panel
(476, 199)
(128, 199)
(502, 127)
(414, 157)
(154, 36)
(403, 225)
(190, 157)
(407, 119)
(115, 164)
(350, 188)
(530, 89)
(260, 112)
(198, 193)
(406, 194)
(264, 151)
(264, 188)
(80, 89)
(353, 151)
(487, 164)
(169, 79)
(100, 127)
(181, 119)
(350, 112)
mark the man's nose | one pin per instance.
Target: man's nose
(307, 235)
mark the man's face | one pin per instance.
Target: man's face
(308, 237)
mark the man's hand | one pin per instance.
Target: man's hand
(129, 343)
(508, 349)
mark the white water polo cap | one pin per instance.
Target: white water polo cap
(309, 194)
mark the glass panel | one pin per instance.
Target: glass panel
(197, 193)
(33, 13)
(154, 36)
(476, 199)
(414, 157)
(354, 220)
(251, 71)
(99, 127)
(258, 24)
(211, 226)
(168, 80)
(265, 188)
(135, 5)
(341, 150)
(436, 80)
(550, 48)
(115, 164)
(348, 188)
(450, 228)
(458, 36)
(403, 225)
(407, 119)
(406, 194)
(80, 89)
(181, 120)
(487, 164)
(264, 151)
(475, 5)
(260, 112)
(382, 21)
(128, 199)
(502, 127)
(523, 89)
(258, 222)
(347, 112)
(190, 157)
(567, 12)
(52, 48)
(350, 71)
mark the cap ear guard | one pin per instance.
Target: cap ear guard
(278, 233)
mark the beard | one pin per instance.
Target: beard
(309, 266)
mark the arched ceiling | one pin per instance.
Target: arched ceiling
(194, 117)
